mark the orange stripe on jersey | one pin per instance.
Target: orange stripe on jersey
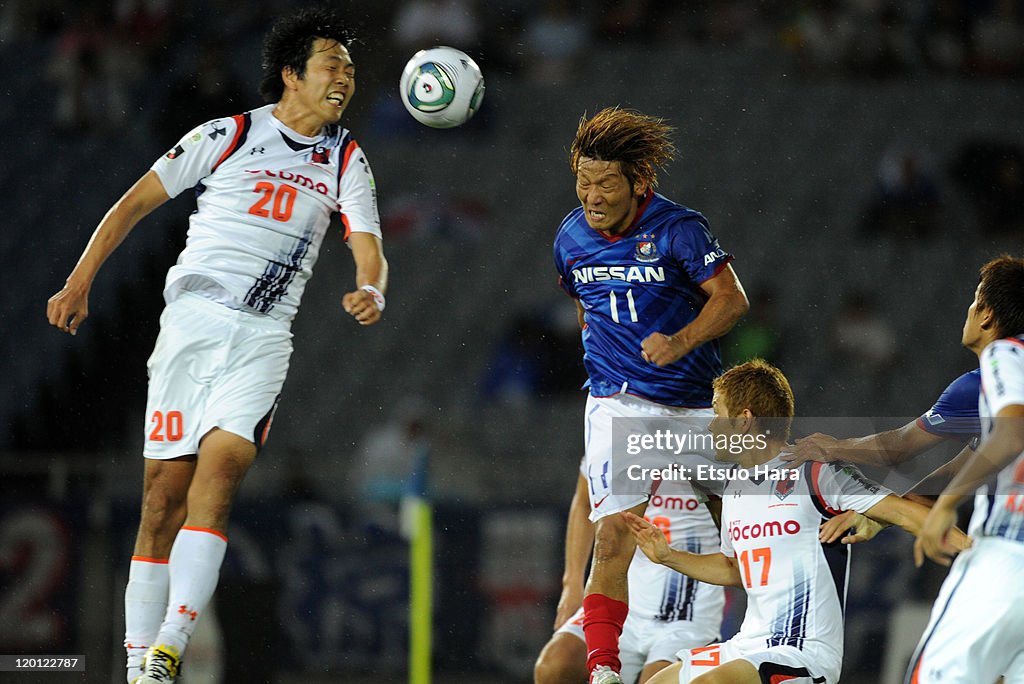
(239, 120)
(349, 149)
(207, 530)
(348, 228)
(1015, 341)
(917, 669)
(147, 559)
(815, 474)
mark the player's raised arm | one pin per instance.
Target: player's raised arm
(954, 415)
(888, 448)
(726, 304)
(1003, 445)
(366, 303)
(928, 489)
(713, 568)
(69, 308)
(911, 515)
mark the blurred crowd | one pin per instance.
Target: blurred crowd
(102, 52)
(171, 65)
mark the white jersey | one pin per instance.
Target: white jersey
(999, 510)
(659, 593)
(795, 585)
(265, 195)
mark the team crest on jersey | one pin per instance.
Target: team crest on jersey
(321, 155)
(175, 152)
(784, 488)
(646, 250)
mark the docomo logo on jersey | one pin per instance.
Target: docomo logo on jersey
(296, 178)
(674, 503)
(737, 530)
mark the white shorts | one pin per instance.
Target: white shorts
(620, 480)
(645, 641)
(775, 663)
(976, 631)
(212, 367)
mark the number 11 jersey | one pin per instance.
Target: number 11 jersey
(645, 280)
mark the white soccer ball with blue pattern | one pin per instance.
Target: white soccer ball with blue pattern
(442, 87)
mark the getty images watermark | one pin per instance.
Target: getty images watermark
(682, 449)
(675, 443)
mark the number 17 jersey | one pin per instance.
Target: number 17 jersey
(265, 195)
(795, 585)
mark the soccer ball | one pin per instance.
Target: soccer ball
(442, 87)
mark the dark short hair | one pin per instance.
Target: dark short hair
(290, 44)
(1002, 293)
(640, 143)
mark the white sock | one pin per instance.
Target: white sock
(145, 603)
(194, 568)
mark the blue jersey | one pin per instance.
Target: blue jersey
(955, 414)
(643, 281)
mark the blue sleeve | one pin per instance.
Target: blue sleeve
(697, 250)
(955, 414)
(564, 276)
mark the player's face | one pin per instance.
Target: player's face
(972, 326)
(609, 200)
(721, 427)
(329, 82)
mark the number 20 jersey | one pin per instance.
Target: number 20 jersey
(265, 195)
(643, 281)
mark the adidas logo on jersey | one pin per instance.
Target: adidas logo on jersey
(630, 274)
(711, 257)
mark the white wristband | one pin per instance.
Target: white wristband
(378, 296)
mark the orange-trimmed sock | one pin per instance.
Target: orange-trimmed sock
(194, 568)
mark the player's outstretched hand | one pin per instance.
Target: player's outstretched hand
(360, 306)
(68, 309)
(849, 527)
(939, 539)
(649, 538)
(661, 349)
(814, 447)
(568, 603)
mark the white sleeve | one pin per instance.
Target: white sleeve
(196, 155)
(842, 487)
(357, 193)
(1002, 374)
(726, 547)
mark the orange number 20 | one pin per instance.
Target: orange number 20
(168, 427)
(284, 200)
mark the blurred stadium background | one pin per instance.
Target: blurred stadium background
(862, 158)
